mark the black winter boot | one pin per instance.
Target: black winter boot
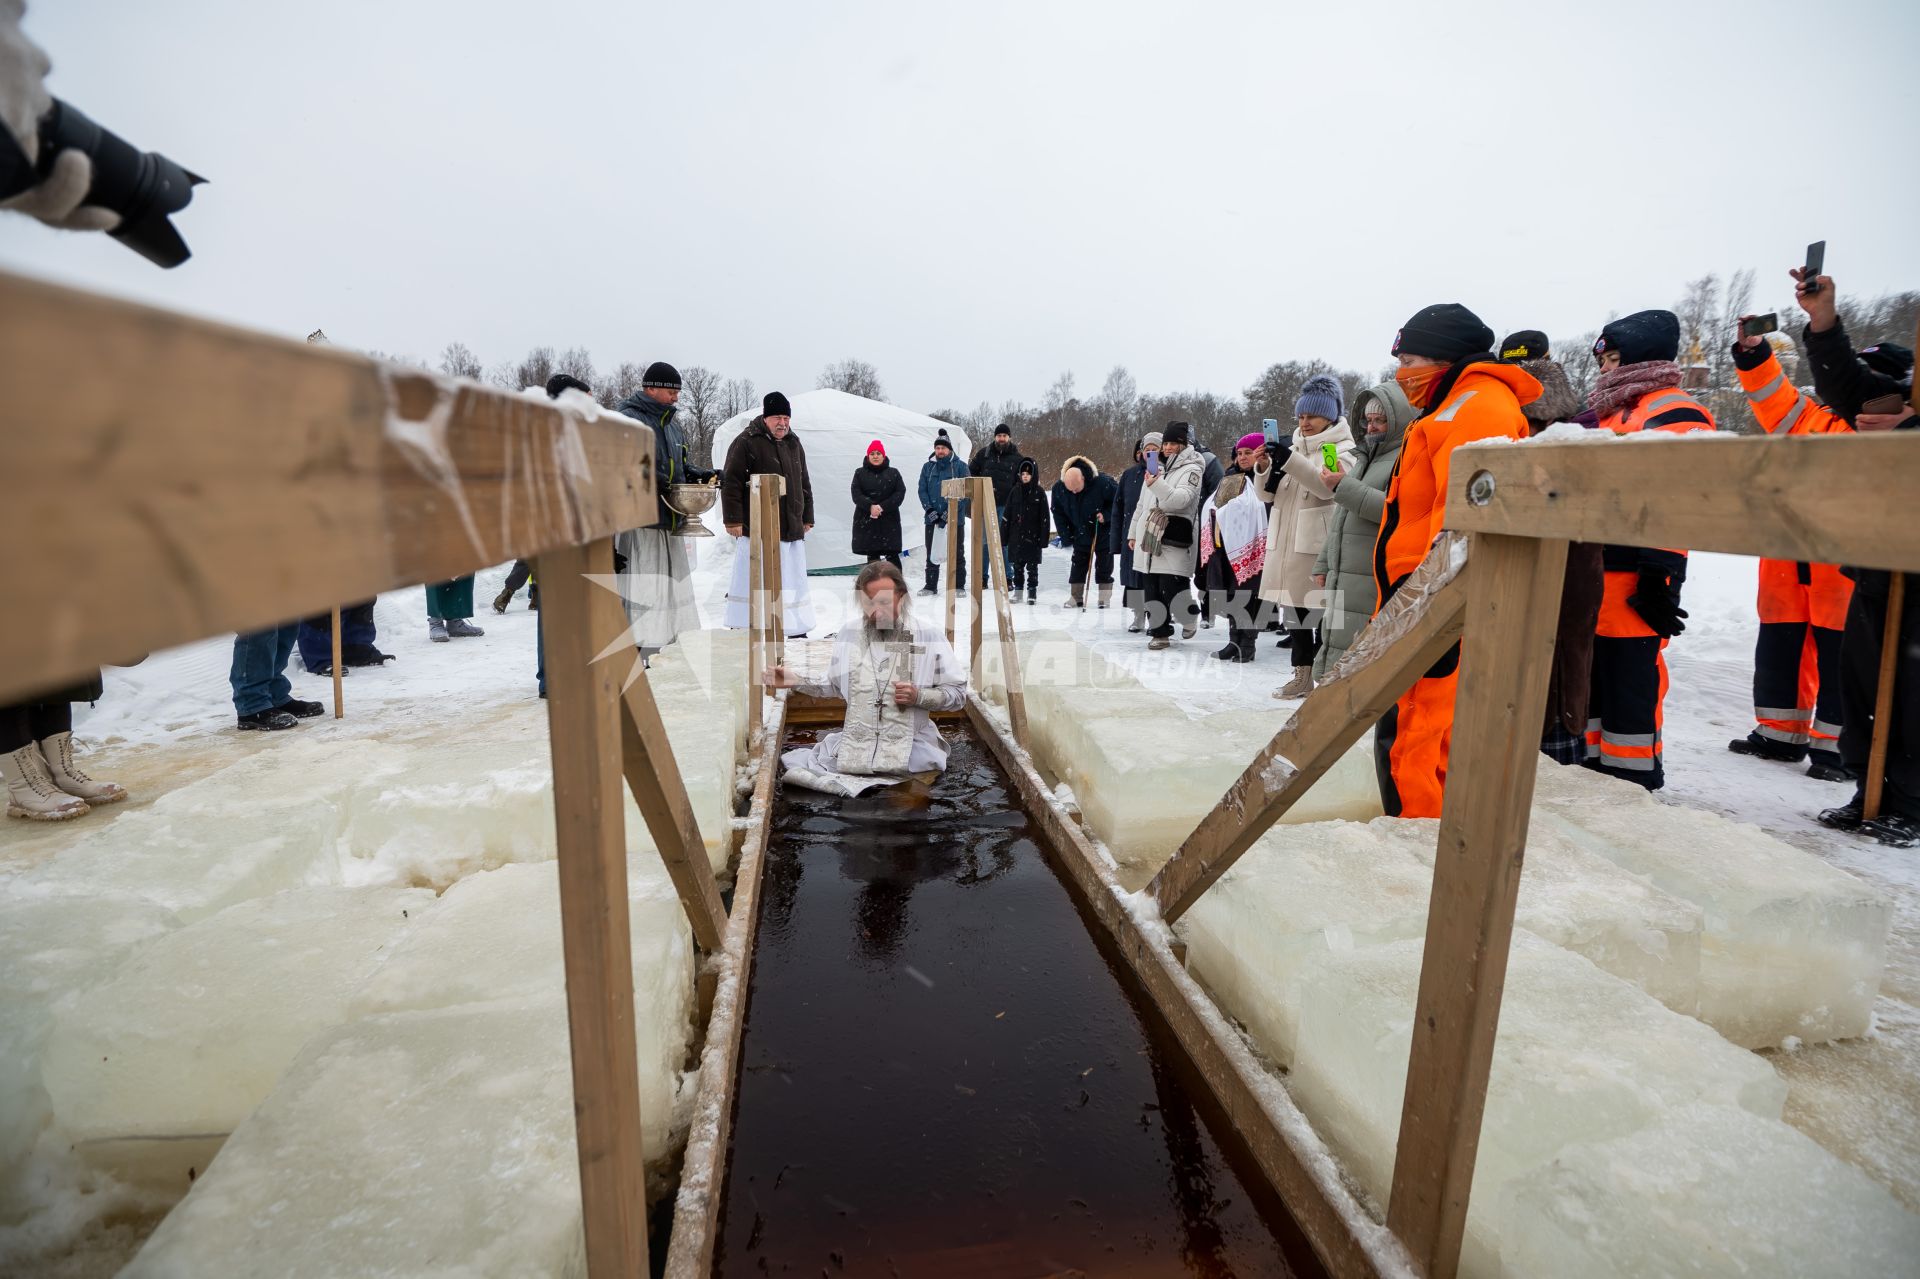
(1895, 830)
(1847, 817)
(271, 720)
(1766, 748)
(301, 710)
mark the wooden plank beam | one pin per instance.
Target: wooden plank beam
(653, 776)
(1258, 1107)
(1821, 498)
(1513, 608)
(696, 1212)
(236, 480)
(578, 620)
(982, 512)
(756, 604)
(1003, 615)
(1417, 627)
(955, 491)
(769, 489)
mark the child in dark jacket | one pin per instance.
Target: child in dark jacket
(1026, 528)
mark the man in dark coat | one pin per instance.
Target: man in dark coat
(878, 492)
(1126, 496)
(770, 446)
(656, 583)
(999, 462)
(1082, 501)
(942, 466)
(1209, 481)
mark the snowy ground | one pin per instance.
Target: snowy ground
(169, 721)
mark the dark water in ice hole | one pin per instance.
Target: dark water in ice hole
(945, 1074)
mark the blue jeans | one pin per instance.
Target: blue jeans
(259, 673)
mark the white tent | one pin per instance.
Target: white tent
(835, 429)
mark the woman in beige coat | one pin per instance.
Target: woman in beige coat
(1297, 526)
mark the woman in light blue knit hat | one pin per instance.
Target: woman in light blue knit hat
(1297, 526)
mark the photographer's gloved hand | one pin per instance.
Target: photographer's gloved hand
(56, 200)
(1280, 450)
(1657, 601)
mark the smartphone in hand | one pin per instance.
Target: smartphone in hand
(1153, 461)
(1815, 267)
(1757, 325)
(1272, 428)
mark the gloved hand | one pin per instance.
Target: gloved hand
(1657, 600)
(23, 100)
(1278, 451)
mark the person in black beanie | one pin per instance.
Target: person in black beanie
(657, 580)
(999, 462)
(1463, 392)
(1638, 390)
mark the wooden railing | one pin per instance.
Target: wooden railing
(1493, 582)
(168, 479)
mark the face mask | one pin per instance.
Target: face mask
(1418, 382)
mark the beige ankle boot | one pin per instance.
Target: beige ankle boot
(58, 753)
(1299, 686)
(30, 790)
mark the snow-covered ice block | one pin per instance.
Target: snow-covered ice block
(1144, 790)
(52, 950)
(1299, 893)
(437, 1142)
(1064, 717)
(495, 937)
(1575, 898)
(1580, 1056)
(1704, 1191)
(464, 805)
(267, 823)
(1790, 945)
(149, 1070)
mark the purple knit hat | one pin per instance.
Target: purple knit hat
(1251, 440)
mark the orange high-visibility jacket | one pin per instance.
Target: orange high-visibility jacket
(1483, 403)
(1668, 409)
(1790, 591)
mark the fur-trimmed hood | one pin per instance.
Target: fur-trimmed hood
(1087, 465)
(1558, 400)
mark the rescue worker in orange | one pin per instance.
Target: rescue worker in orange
(1803, 607)
(1450, 373)
(1638, 390)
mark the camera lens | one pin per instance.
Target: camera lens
(143, 187)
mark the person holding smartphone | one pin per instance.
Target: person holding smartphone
(1126, 499)
(1873, 390)
(1162, 535)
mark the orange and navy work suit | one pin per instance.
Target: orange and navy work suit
(1629, 685)
(1803, 607)
(1481, 401)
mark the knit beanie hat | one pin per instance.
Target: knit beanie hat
(565, 382)
(1527, 344)
(1001, 430)
(1642, 336)
(1251, 440)
(774, 404)
(1177, 433)
(1150, 441)
(661, 374)
(875, 446)
(942, 438)
(1891, 359)
(1443, 331)
(1322, 397)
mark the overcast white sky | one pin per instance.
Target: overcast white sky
(975, 197)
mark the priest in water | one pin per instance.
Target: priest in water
(892, 671)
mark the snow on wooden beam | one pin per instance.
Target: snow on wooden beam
(168, 478)
(1831, 499)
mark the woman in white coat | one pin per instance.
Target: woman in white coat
(1164, 534)
(1297, 525)
(893, 671)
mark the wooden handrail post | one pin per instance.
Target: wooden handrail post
(756, 607)
(1009, 651)
(653, 775)
(983, 512)
(583, 712)
(768, 518)
(1513, 608)
(339, 693)
(1876, 779)
(950, 594)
